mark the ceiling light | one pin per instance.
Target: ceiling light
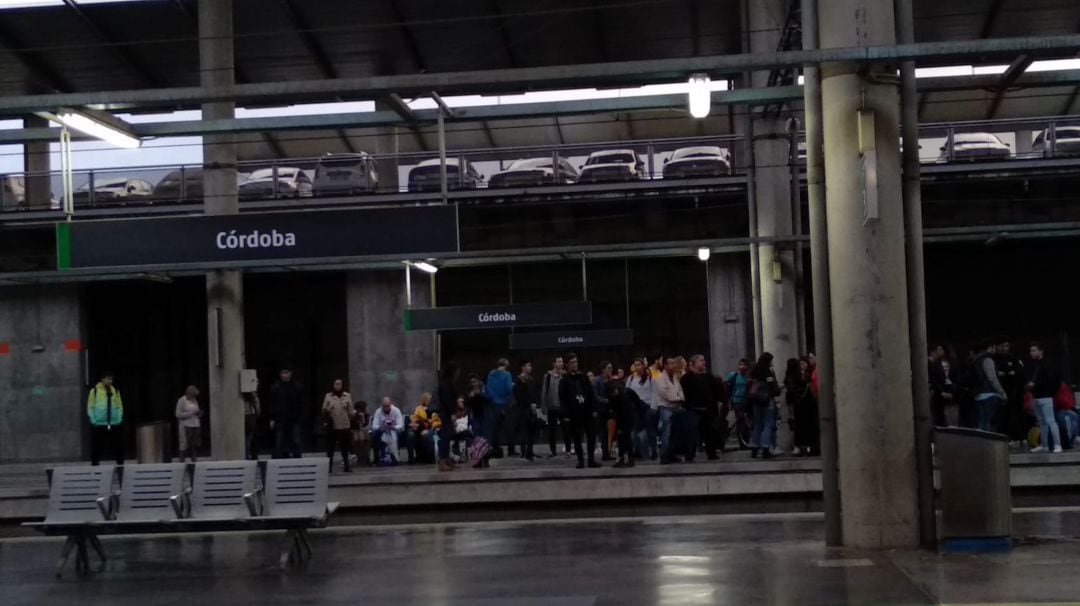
(703, 253)
(98, 127)
(700, 94)
(425, 266)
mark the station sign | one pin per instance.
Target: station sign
(498, 316)
(571, 339)
(236, 239)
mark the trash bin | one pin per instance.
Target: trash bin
(976, 502)
(151, 440)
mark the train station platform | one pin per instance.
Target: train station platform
(547, 488)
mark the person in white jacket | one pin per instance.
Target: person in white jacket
(387, 427)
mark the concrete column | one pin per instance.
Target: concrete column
(731, 332)
(869, 292)
(384, 360)
(42, 403)
(224, 289)
(386, 150)
(779, 303)
(37, 166)
(1024, 140)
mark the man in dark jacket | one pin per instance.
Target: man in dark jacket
(288, 411)
(1043, 381)
(1013, 419)
(526, 401)
(603, 408)
(578, 402)
(701, 403)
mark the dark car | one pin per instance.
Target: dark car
(170, 188)
(1066, 142)
(534, 171)
(703, 161)
(975, 147)
(426, 176)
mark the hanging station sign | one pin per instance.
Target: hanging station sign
(499, 316)
(250, 238)
(571, 339)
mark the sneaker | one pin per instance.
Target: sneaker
(1057, 449)
(1038, 449)
(796, 452)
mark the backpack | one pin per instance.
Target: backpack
(479, 449)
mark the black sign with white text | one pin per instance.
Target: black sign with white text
(571, 339)
(405, 232)
(498, 316)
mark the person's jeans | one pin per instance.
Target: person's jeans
(1071, 421)
(669, 419)
(496, 416)
(582, 422)
(107, 439)
(601, 421)
(287, 441)
(691, 433)
(645, 434)
(988, 408)
(764, 426)
(555, 418)
(1044, 413)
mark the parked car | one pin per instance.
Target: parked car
(534, 171)
(426, 175)
(12, 192)
(1067, 142)
(344, 174)
(170, 189)
(975, 147)
(703, 161)
(114, 189)
(292, 182)
(612, 165)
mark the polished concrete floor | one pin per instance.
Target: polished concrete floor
(658, 561)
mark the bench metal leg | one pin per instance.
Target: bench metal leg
(291, 555)
(82, 558)
(304, 543)
(95, 542)
(65, 553)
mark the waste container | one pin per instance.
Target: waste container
(151, 440)
(976, 502)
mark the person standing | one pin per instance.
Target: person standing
(989, 394)
(602, 408)
(576, 396)
(251, 423)
(943, 403)
(105, 408)
(737, 381)
(479, 405)
(761, 393)
(549, 398)
(338, 407)
(527, 401)
(804, 406)
(187, 415)
(1043, 382)
(671, 402)
(499, 389)
(700, 409)
(287, 415)
(640, 384)
(1012, 420)
(624, 405)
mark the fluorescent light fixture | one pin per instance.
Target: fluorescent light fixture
(425, 266)
(106, 128)
(703, 253)
(700, 95)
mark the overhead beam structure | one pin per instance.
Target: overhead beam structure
(122, 50)
(1011, 75)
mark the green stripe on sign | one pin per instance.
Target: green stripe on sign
(63, 245)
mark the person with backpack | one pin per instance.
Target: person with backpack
(1043, 382)
(105, 409)
(990, 396)
(761, 394)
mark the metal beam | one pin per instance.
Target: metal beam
(507, 44)
(39, 69)
(621, 73)
(991, 18)
(307, 37)
(1011, 75)
(406, 32)
(598, 30)
(122, 51)
(695, 27)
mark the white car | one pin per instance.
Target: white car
(12, 192)
(114, 189)
(975, 147)
(612, 165)
(1066, 139)
(701, 161)
(292, 182)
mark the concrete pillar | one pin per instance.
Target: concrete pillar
(779, 302)
(42, 403)
(384, 360)
(224, 289)
(1023, 145)
(386, 150)
(37, 166)
(868, 289)
(731, 332)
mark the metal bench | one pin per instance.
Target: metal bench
(150, 496)
(79, 497)
(222, 492)
(294, 498)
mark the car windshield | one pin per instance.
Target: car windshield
(530, 163)
(612, 158)
(696, 152)
(976, 139)
(342, 162)
(264, 174)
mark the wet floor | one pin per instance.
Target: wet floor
(658, 561)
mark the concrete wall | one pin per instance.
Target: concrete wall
(42, 405)
(384, 360)
(730, 315)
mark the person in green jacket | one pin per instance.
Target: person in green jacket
(106, 412)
